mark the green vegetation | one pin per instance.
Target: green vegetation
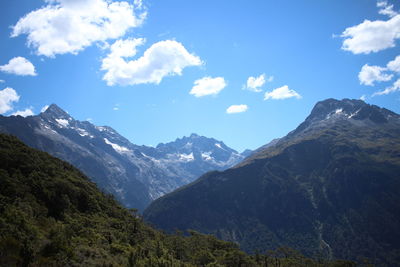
(52, 215)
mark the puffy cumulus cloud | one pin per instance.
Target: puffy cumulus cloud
(164, 58)
(24, 113)
(208, 86)
(372, 36)
(7, 97)
(371, 74)
(386, 9)
(394, 88)
(255, 83)
(19, 66)
(68, 26)
(281, 93)
(394, 65)
(236, 109)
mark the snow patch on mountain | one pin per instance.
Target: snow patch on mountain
(353, 114)
(186, 157)
(118, 148)
(83, 132)
(62, 123)
(207, 156)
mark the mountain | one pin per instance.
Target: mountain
(134, 174)
(52, 215)
(330, 189)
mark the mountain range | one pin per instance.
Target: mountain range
(330, 188)
(134, 174)
(53, 215)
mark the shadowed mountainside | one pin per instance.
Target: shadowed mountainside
(329, 188)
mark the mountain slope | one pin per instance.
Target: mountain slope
(52, 215)
(329, 188)
(134, 174)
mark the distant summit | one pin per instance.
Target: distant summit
(134, 174)
(343, 112)
(350, 109)
(54, 111)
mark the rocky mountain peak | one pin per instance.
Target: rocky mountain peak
(331, 111)
(350, 109)
(54, 112)
(194, 135)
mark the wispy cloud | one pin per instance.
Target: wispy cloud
(391, 89)
(164, 58)
(65, 26)
(19, 66)
(208, 86)
(386, 9)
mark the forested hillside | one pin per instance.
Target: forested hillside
(52, 215)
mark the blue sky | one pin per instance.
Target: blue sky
(158, 70)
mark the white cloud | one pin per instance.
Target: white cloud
(68, 26)
(236, 109)
(363, 97)
(164, 58)
(281, 93)
(255, 83)
(394, 65)
(7, 97)
(372, 36)
(138, 4)
(208, 86)
(370, 74)
(2, 81)
(19, 66)
(23, 113)
(44, 108)
(386, 9)
(394, 88)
